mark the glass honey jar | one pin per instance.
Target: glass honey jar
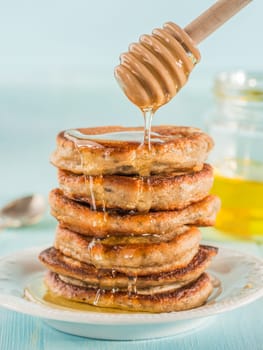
(236, 125)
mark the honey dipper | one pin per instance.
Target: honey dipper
(156, 68)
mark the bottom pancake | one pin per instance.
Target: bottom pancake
(87, 275)
(193, 295)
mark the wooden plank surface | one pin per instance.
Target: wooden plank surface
(237, 330)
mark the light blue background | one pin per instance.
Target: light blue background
(59, 35)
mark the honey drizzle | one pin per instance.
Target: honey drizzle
(93, 253)
(92, 196)
(97, 297)
(132, 288)
(148, 194)
(103, 202)
(148, 114)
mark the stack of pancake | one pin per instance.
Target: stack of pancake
(128, 217)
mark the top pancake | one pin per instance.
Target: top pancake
(102, 150)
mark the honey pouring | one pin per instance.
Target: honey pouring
(153, 70)
(150, 74)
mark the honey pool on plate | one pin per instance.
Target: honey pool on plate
(37, 292)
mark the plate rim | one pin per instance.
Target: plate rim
(20, 304)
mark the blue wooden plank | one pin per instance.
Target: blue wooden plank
(241, 329)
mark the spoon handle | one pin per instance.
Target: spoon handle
(213, 18)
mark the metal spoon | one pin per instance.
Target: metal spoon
(23, 211)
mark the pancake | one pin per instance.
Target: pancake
(101, 150)
(157, 192)
(133, 254)
(80, 218)
(183, 298)
(87, 275)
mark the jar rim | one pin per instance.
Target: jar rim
(240, 85)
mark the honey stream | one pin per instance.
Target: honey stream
(147, 116)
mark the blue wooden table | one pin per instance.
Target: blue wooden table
(30, 119)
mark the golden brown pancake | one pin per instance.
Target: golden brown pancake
(187, 297)
(89, 151)
(81, 218)
(89, 276)
(131, 254)
(157, 192)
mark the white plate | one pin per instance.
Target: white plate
(241, 278)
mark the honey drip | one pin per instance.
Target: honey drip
(93, 256)
(97, 297)
(132, 288)
(80, 140)
(85, 140)
(147, 116)
(103, 202)
(92, 196)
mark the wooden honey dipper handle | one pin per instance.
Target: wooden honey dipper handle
(213, 18)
